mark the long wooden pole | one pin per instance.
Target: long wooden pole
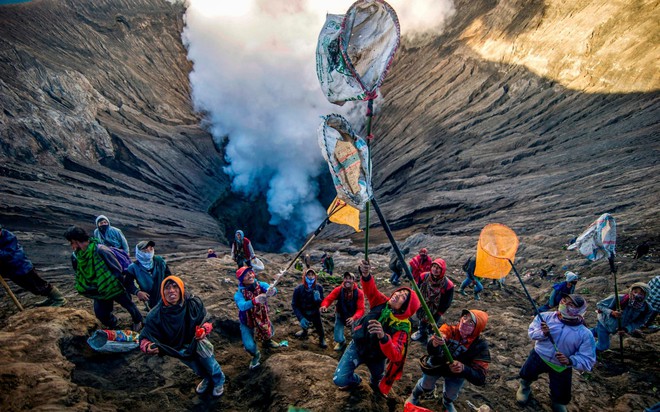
(11, 294)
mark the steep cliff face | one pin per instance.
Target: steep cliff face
(97, 118)
(491, 122)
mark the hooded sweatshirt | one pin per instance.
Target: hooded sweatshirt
(303, 303)
(438, 293)
(472, 352)
(394, 345)
(631, 317)
(172, 327)
(112, 236)
(418, 265)
(12, 258)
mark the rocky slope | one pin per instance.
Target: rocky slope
(539, 115)
(97, 119)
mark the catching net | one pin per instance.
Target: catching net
(497, 245)
(347, 156)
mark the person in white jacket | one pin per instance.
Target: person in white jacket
(574, 348)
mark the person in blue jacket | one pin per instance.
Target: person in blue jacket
(306, 304)
(14, 265)
(574, 348)
(110, 235)
(252, 302)
(560, 290)
(148, 271)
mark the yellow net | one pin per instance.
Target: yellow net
(497, 243)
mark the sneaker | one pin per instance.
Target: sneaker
(218, 391)
(256, 360)
(340, 346)
(202, 387)
(301, 333)
(418, 336)
(322, 344)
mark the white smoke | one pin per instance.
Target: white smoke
(254, 75)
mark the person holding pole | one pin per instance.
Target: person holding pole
(350, 307)
(471, 359)
(561, 343)
(438, 291)
(634, 313)
(380, 338)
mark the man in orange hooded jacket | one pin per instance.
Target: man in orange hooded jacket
(471, 359)
(380, 338)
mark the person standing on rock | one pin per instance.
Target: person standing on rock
(15, 265)
(635, 311)
(380, 338)
(350, 307)
(420, 264)
(468, 268)
(176, 327)
(574, 348)
(438, 293)
(110, 235)
(99, 277)
(469, 351)
(560, 290)
(306, 305)
(241, 250)
(148, 271)
(252, 302)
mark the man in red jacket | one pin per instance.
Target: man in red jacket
(350, 307)
(420, 264)
(380, 338)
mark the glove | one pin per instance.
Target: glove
(317, 295)
(271, 292)
(304, 323)
(262, 298)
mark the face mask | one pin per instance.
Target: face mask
(146, 259)
(638, 297)
(465, 329)
(104, 228)
(309, 281)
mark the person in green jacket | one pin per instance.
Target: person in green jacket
(99, 277)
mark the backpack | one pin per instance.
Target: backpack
(122, 257)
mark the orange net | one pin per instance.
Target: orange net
(497, 243)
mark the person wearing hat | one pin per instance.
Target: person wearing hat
(306, 305)
(176, 327)
(438, 292)
(110, 235)
(241, 250)
(574, 348)
(15, 265)
(99, 276)
(211, 254)
(148, 271)
(420, 264)
(469, 351)
(350, 307)
(560, 290)
(635, 311)
(380, 338)
(252, 302)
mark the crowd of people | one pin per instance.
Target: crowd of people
(177, 323)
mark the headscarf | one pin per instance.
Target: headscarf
(239, 234)
(638, 304)
(570, 276)
(146, 259)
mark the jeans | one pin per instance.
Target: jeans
(247, 336)
(345, 375)
(103, 309)
(339, 329)
(395, 277)
(315, 319)
(206, 368)
(603, 336)
(450, 388)
(560, 382)
(478, 287)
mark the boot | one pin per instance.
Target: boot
(524, 390)
(322, 343)
(54, 298)
(558, 407)
(462, 292)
